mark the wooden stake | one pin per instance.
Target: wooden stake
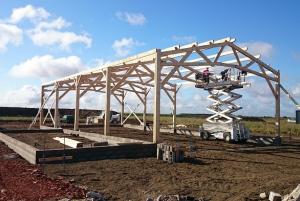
(157, 84)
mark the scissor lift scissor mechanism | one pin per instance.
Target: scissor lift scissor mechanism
(222, 121)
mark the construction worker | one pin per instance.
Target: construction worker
(223, 74)
(244, 74)
(206, 75)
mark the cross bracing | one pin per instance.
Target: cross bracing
(159, 70)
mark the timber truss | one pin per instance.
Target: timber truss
(157, 70)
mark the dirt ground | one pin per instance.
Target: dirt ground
(221, 171)
(21, 181)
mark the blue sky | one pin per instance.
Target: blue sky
(102, 31)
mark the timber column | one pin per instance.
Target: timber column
(145, 110)
(77, 103)
(157, 87)
(277, 115)
(107, 102)
(56, 111)
(174, 109)
(122, 107)
(42, 106)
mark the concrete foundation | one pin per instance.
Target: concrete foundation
(26, 151)
(117, 148)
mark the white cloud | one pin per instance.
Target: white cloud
(124, 46)
(9, 34)
(28, 12)
(57, 24)
(48, 34)
(63, 39)
(184, 39)
(131, 18)
(47, 67)
(26, 96)
(258, 47)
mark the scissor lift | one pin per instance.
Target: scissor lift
(223, 124)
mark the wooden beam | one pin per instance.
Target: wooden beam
(277, 115)
(42, 106)
(122, 106)
(56, 109)
(107, 102)
(145, 110)
(174, 109)
(247, 70)
(157, 81)
(253, 58)
(77, 103)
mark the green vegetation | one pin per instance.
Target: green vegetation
(265, 125)
(16, 118)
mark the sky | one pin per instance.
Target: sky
(44, 40)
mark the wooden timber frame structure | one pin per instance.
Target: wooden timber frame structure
(157, 70)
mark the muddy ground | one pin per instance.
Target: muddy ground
(221, 171)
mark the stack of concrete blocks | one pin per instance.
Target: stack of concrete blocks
(191, 152)
(170, 154)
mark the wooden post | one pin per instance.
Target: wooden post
(174, 110)
(41, 106)
(145, 110)
(277, 115)
(56, 111)
(122, 107)
(107, 102)
(157, 87)
(77, 104)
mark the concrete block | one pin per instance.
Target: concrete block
(274, 196)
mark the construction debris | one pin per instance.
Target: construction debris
(69, 142)
(94, 196)
(263, 195)
(294, 196)
(176, 198)
(274, 196)
(170, 154)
